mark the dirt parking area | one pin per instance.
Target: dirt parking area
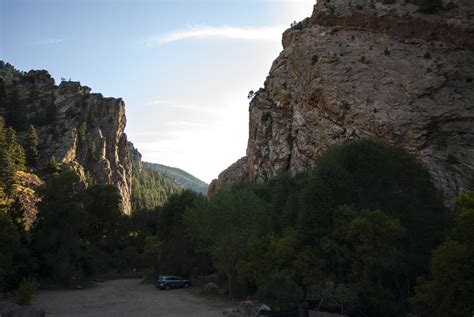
(128, 298)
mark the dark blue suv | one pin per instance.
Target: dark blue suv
(171, 281)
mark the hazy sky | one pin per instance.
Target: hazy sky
(184, 68)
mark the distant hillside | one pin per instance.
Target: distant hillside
(181, 177)
(150, 188)
(153, 184)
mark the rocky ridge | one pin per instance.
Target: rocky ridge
(363, 69)
(83, 131)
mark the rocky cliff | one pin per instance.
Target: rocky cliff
(82, 131)
(365, 69)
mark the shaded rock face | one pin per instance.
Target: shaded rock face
(236, 173)
(80, 129)
(367, 70)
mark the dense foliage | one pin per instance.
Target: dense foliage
(450, 289)
(82, 233)
(364, 221)
(7, 70)
(354, 235)
(153, 184)
(226, 226)
(150, 188)
(74, 232)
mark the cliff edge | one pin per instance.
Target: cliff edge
(364, 69)
(82, 131)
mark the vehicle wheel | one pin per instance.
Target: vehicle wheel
(167, 287)
(186, 285)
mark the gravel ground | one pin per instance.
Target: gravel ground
(128, 298)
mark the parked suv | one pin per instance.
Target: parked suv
(171, 281)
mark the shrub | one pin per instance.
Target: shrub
(345, 105)
(335, 296)
(266, 116)
(82, 131)
(281, 292)
(26, 291)
(251, 94)
(364, 60)
(429, 6)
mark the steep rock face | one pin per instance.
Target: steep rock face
(236, 173)
(82, 130)
(368, 70)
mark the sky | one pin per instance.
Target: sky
(183, 67)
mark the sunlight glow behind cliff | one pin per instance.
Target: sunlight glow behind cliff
(183, 67)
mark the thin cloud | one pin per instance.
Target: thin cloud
(159, 103)
(199, 32)
(48, 42)
(175, 105)
(186, 124)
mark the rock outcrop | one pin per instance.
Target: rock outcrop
(83, 131)
(363, 69)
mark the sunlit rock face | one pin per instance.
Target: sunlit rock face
(82, 130)
(360, 69)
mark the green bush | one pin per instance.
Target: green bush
(266, 116)
(26, 291)
(281, 292)
(450, 288)
(427, 6)
(337, 296)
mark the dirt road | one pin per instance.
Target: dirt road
(128, 298)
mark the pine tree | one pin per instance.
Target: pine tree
(16, 112)
(50, 113)
(32, 149)
(12, 157)
(3, 95)
(53, 167)
(15, 150)
(3, 198)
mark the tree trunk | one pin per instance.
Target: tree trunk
(229, 284)
(320, 303)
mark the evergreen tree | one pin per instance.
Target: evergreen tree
(32, 149)
(50, 113)
(56, 236)
(9, 243)
(53, 167)
(3, 95)
(12, 158)
(15, 150)
(3, 197)
(16, 112)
